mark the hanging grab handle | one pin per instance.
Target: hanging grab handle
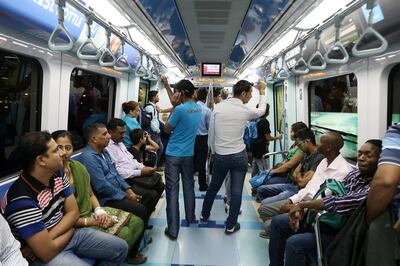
(338, 47)
(283, 73)
(107, 58)
(122, 61)
(87, 50)
(301, 67)
(317, 61)
(140, 69)
(370, 31)
(53, 45)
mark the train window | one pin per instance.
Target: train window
(91, 100)
(20, 104)
(394, 96)
(333, 107)
(144, 87)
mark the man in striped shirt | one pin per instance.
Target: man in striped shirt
(42, 211)
(292, 244)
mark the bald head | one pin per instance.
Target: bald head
(331, 143)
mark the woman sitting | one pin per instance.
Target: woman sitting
(114, 221)
(132, 112)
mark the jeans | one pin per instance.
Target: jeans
(259, 165)
(90, 243)
(276, 192)
(275, 179)
(289, 248)
(174, 166)
(200, 158)
(236, 164)
(157, 139)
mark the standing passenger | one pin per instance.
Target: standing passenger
(226, 141)
(201, 146)
(183, 123)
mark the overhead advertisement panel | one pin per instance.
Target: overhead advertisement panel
(165, 15)
(38, 18)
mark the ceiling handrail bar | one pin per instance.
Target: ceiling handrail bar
(370, 30)
(62, 47)
(338, 45)
(107, 52)
(317, 54)
(87, 42)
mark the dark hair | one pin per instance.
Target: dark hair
(306, 133)
(32, 144)
(241, 86)
(136, 135)
(340, 85)
(202, 94)
(297, 126)
(186, 87)
(216, 92)
(92, 129)
(129, 106)
(61, 134)
(114, 123)
(376, 142)
(337, 140)
(152, 94)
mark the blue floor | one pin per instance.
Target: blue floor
(207, 244)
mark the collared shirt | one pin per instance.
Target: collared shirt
(151, 109)
(225, 135)
(131, 123)
(357, 190)
(105, 180)
(10, 255)
(391, 155)
(126, 165)
(31, 207)
(205, 119)
(338, 169)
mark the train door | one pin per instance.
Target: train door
(280, 119)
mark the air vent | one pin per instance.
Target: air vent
(212, 21)
(211, 47)
(212, 14)
(212, 5)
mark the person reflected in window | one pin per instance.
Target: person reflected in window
(100, 114)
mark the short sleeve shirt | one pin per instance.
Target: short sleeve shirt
(259, 147)
(31, 207)
(185, 119)
(311, 161)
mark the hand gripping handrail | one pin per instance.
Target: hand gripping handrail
(62, 47)
(141, 70)
(301, 67)
(368, 31)
(122, 62)
(107, 54)
(95, 53)
(317, 57)
(338, 46)
(283, 72)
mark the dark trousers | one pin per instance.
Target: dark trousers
(149, 196)
(200, 158)
(135, 208)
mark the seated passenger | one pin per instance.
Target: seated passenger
(304, 171)
(142, 142)
(41, 209)
(110, 188)
(132, 111)
(282, 173)
(334, 166)
(135, 173)
(110, 220)
(291, 239)
(9, 246)
(383, 201)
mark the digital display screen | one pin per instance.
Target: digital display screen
(211, 69)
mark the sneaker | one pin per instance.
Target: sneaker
(225, 199)
(264, 235)
(202, 219)
(233, 229)
(149, 227)
(171, 237)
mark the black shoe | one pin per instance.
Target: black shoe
(149, 227)
(233, 229)
(203, 188)
(225, 199)
(166, 232)
(202, 219)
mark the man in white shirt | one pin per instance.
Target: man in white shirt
(225, 137)
(129, 168)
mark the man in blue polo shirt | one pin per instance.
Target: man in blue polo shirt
(42, 211)
(183, 123)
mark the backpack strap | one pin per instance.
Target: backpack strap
(152, 114)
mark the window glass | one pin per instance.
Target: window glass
(20, 104)
(394, 96)
(91, 100)
(333, 107)
(144, 87)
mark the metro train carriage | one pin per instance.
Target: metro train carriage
(273, 109)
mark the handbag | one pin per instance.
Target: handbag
(259, 179)
(149, 158)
